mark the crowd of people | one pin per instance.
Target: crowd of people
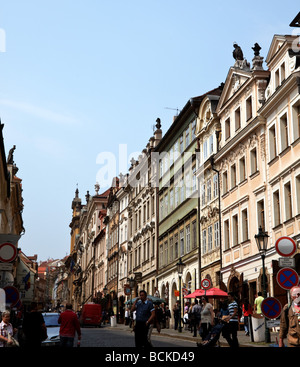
(143, 316)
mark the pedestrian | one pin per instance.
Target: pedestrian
(231, 326)
(69, 325)
(207, 317)
(127, 316)
(257, 303)
(195, 317)
(163, 316)
(247, 311)
(176, 314)
(145, 313)
(168, 316)
(154, 323)
(34, 328)
(6, 330)
(290, 319)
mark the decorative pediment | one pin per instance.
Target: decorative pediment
(236, 78)
(276, 44)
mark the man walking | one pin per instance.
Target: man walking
(145, 313)
(69, 324)
(230, 329)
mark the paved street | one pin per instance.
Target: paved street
(111, 337)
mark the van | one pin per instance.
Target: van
(91, 314)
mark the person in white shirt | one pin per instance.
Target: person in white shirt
(6, 329)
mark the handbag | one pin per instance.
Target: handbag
(12, 341)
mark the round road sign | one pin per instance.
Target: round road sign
(287, 278)
(271, 308)
(12, 295)
(8, 252)
(205, 283)
(285, 246)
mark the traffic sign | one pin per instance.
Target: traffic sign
(287, 262)
(205, 283)
(12, 295)
(185, 292)
(285, 246)
(287, 278)
(271, 308)
(8, 252)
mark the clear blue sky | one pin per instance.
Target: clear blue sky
(78, 78)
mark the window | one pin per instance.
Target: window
(171, 249)
(298, 192)
(245, 232)
(242, 169)
(288, 201)
(193, 130)
(171, 200)
(181, 190)
(226, 234)
(211, 144)
(253, 161)
(176, 195)
(208, 191)
(216, 232)
(194, 229)
(166, 253)
(161, 213)
(261, 214)
(282, 72)
(161, 255)
(187, 137)
(272, 142)
(194, 183)
(237, 119)
(181, 144)
(181, 243)
(166, 205)
(227, 129)
(188, 238)
(176, 246)
(188, 185)
(204, 241)
(235, 230)
(276, 207)
(233, 176)
(277, 80)
(296, 120)
(284, 132)
(249, 108)
(209, 238)
(215, 179)
(225, 183)
(203, 194)
(205, 150)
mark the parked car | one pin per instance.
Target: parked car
(51, 321)
(91, 315)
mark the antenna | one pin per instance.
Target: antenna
(175, 109)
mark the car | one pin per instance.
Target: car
(51, 322)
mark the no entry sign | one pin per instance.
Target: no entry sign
(287, 278)
(271, 308)
(8, 252)
(285, 246)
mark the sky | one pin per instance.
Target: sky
(79, 78)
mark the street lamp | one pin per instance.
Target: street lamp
(262, 241)
(180, 265)
(131, 282)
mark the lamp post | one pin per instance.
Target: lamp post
(180, 265)
(262, 241)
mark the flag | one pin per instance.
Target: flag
(26, 280)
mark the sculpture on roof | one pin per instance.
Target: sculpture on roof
(238, 55)
(10, 158)
(237, 52)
